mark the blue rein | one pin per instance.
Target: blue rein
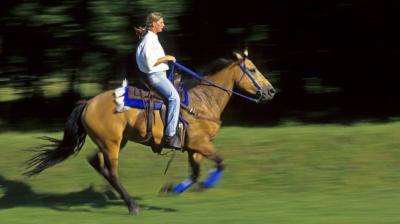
(214, 175)
(202, 79)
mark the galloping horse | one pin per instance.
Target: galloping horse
(110, 130)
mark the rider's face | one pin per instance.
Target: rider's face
(158, 26)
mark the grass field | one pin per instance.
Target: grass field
(330, 174)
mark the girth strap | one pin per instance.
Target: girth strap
(150, 118)
(200, 115)
(148, 113)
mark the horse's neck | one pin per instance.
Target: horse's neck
(211, 97)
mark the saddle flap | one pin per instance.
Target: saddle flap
(138, 93)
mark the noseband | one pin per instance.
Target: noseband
(254, 81)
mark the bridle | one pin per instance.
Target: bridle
(202, 79)
(249, 74)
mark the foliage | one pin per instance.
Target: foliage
(318, 61)
(77, 38)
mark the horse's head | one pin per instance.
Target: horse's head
(251, 80)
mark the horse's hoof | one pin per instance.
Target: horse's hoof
(166, 189)
(134, 211)
(133, 207)
(198, 187)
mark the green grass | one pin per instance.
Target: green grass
(329, 174)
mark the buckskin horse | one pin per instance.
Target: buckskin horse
(110, 130)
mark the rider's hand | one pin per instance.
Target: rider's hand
(171, 58)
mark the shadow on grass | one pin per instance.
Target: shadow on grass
(20, 194)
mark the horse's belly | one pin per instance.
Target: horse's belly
(136, 129)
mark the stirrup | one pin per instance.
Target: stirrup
(171, 142)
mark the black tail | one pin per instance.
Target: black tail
(59, 150)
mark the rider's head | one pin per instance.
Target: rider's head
(154, 22)
(152, 19)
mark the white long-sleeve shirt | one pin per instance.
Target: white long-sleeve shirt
(148, 52)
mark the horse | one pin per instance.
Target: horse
(110, 130)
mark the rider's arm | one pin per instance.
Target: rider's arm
(165, 59)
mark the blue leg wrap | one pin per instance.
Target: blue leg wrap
(182, 186)
(213, 177)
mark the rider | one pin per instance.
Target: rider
(152, 61)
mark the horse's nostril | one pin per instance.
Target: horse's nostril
(271, 91)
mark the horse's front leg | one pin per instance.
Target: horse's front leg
(194, 162)
(214, 175)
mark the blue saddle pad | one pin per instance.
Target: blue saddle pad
(139, 103)
(124, 102)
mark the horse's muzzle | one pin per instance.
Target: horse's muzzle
(267, 94)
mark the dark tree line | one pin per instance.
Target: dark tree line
(330, 60)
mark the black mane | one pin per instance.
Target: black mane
(209, 69)
(215, 66)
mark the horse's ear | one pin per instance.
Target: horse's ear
(237, 55)
(246, 52)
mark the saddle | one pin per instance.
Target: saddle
(150, 101)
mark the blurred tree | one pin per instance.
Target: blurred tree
(323, 54)
(80, 39)
(46, 38)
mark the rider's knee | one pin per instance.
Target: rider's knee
(175, 98)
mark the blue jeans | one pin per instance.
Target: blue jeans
(159, 82)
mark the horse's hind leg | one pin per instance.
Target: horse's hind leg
(97, 162)
(110, 173)
(111, 161)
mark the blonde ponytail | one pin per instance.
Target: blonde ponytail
(140, 31)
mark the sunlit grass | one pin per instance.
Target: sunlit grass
(290, 174)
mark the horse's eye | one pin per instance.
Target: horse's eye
(252, 71)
